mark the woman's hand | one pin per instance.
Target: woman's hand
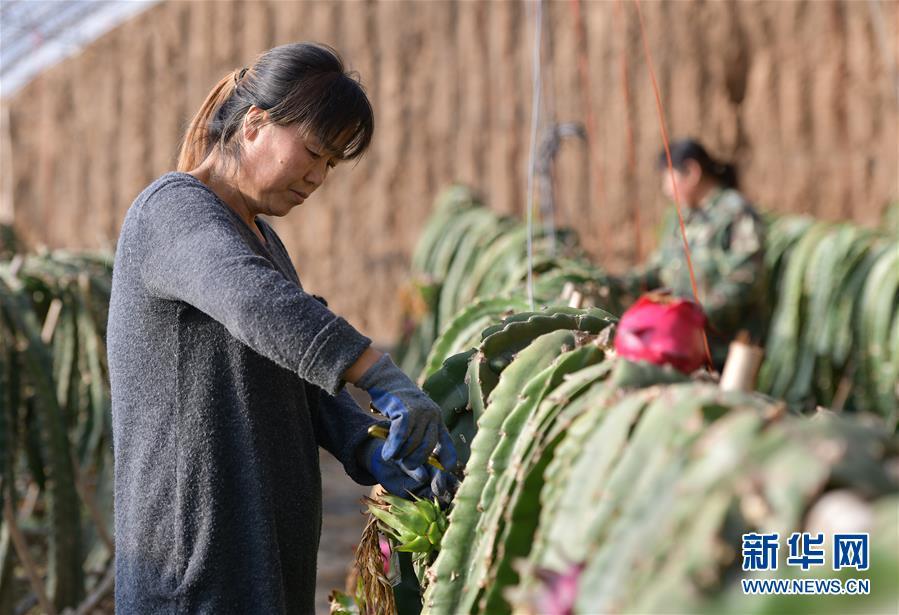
(416, 426)
(424, 481)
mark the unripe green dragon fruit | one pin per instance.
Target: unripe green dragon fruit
(417, 525)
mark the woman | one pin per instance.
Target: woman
(227, 376)
(726, 238)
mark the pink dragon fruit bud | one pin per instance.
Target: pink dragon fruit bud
(663, 330)
(559, 591)
(385, 553)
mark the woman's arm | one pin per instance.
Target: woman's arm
(341, 428)
(646, 277)
(192, 251)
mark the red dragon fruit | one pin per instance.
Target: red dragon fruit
(663, 330)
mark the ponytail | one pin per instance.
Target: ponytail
(724, 174)
(199, 139)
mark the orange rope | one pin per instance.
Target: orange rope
(680, 218)
(631, 147)
(590, 118)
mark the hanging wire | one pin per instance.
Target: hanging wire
(583, 65)
(680, 218)
(545, 176)
(532, 156)
(544, 163)
(549, 147)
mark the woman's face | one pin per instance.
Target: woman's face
(688, 182)
(281, 166)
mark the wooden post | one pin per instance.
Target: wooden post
(742, 365)
(576, 299)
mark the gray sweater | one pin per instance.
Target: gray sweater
(226, 378)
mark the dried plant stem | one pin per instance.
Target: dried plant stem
(377, 593)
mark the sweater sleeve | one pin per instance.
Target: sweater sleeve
(193, 251)
(341, 426)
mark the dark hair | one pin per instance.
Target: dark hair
(688, 149)
(303, 84)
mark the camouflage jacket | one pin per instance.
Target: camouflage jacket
(727, 242)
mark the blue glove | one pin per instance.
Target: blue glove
(416, 426)
(443, 486)
(424, 482)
